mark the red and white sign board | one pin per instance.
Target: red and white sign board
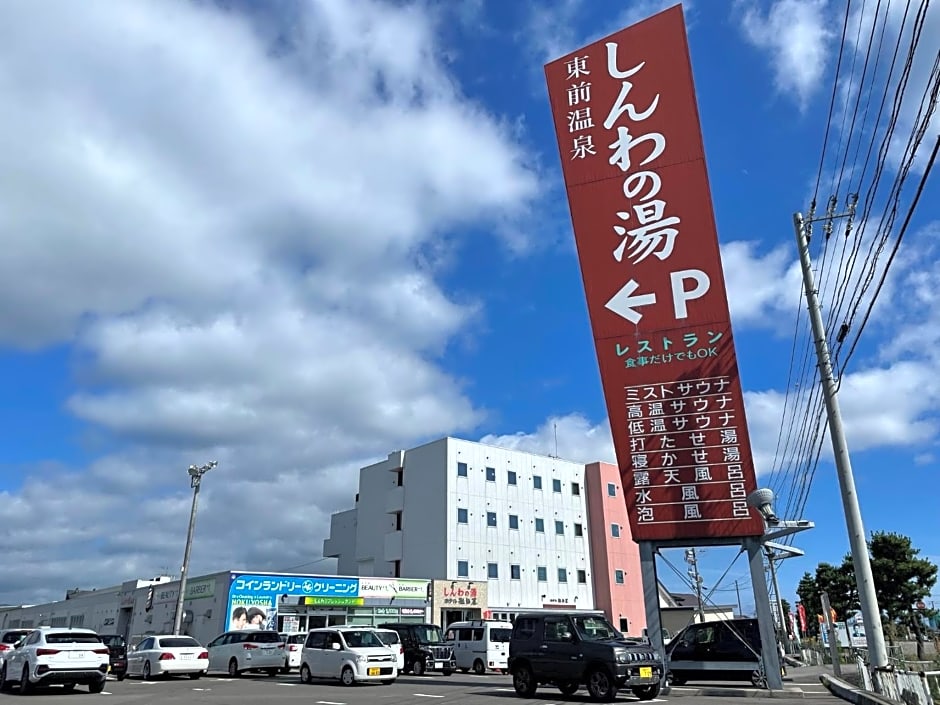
(634, 165)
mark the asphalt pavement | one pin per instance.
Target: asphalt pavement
(462, 689)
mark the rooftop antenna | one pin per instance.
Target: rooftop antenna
(555, 427)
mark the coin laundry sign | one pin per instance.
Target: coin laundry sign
(634, 165)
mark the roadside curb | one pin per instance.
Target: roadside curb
(790, 692)
(853, 694)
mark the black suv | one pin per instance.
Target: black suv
(424, 648)
(568, 649)
(117, 648)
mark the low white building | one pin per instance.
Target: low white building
(463, 511)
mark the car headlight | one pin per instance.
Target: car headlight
(361, 659)
(620, 655)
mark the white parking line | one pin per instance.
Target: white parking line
(328, 702)
(425, 695)
(290, 685)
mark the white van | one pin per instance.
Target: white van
(480, 645)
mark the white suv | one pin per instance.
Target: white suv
(351, 654)
(57, 655)
(294, 642)
(247, 650)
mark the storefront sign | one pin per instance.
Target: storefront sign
(253, 598)
(460, 594)
(393, 587)
(199, 589)
(412, 611)
(333, 601)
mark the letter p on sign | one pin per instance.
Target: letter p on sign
(681, 296)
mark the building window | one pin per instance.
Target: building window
(511, 477)
(539, 525)
(582, 577)
(611, 489)
(578, 530)
(562, 575)
(463, 569)
(515, 572)
(491, 518)
(560, 528)
(575, 488)
(492, 570)
(536, 482)
(491, 474)
(556, 485)
(513, 521)
(461, 469)
(461, 515)
(615, 530)
(618, 577)
(624, 625)
(542, 573)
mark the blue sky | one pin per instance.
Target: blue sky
(296, 237)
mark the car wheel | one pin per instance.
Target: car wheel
(647, 692)
(523, 681)
(758, 680)
(122, 676)
(233, 668)
(25, 686)
(479, 667)
(305, 676)
(96, 686)
(147, 673)
(347, 677)
(673, 679)
(4, 682)
(419, 667)
(568, 687)
(195, 676)
(601, 686)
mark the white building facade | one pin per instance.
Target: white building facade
(463, 511)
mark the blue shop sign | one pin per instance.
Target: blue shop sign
(294, 585)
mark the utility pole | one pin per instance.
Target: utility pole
(737, 592)
(692, 560)
(868, 599)
(195, 480)
(781, 623)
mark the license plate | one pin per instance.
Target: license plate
(76, 654)
(374, 671)
(186, 657)
(267, 648)
(646, 672)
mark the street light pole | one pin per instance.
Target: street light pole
(195, 480)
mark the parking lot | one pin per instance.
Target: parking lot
(466, 689)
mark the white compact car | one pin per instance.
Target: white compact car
(350, 654)
(168, 655)
(247, 650)
(392, 640)
(8, 639)
(293, 644)
(51, 655)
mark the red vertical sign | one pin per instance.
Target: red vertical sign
(634, 165)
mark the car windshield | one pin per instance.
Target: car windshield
(69, 638)
(113, 640)
(389, 637)
(500, 635)
(595, 628)
(296, 638)
(428, 634)
(13, 637)
(356, 639)
(178, 642)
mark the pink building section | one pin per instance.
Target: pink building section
(615, 557)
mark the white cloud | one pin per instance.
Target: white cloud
(796, 34)
(763, 289)
(575, 436)
(242, 242)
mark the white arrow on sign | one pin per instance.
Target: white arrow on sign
(623, 302)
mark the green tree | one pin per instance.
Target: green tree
(839, 583)
(901, 579)
(809, 597)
